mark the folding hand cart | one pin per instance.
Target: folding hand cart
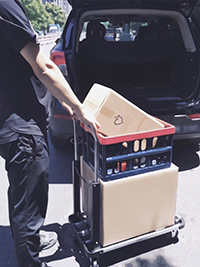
(87, 222)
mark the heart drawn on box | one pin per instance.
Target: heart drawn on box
(118, 120)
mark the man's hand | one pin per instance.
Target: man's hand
(87, 118)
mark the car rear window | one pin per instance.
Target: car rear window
(133, 27)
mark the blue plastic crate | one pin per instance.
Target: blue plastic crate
(128, 155)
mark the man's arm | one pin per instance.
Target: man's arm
(49, 74)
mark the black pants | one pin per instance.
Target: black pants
(27, 165)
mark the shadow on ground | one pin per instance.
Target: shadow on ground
(70, 247)
(160, 261)
(185, 154)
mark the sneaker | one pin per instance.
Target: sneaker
(47, 239)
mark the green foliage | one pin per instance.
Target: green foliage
(42, 15)
(57, 13)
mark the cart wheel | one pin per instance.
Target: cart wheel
(94, 263)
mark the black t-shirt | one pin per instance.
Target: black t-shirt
(21, 110)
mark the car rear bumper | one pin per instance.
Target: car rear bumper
(187, 126)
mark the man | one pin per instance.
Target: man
(23, 126)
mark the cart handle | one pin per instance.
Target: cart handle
(96, 147)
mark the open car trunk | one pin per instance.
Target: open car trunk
(148, 56)
(169, 4)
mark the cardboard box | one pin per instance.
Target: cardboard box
(134, 205)
(116, 114)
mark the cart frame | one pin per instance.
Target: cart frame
(89, 235)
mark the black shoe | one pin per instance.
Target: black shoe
(47, 240)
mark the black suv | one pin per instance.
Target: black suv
(152, 58)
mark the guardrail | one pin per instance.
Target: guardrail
(48, 38)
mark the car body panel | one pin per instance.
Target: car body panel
(160, 75)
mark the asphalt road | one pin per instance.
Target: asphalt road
(68, 253)
(185, 253)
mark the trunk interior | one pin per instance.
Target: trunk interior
(149, 59)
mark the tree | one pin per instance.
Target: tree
(57, 13)
(41, 16)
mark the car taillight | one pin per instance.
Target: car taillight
(58, 57)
